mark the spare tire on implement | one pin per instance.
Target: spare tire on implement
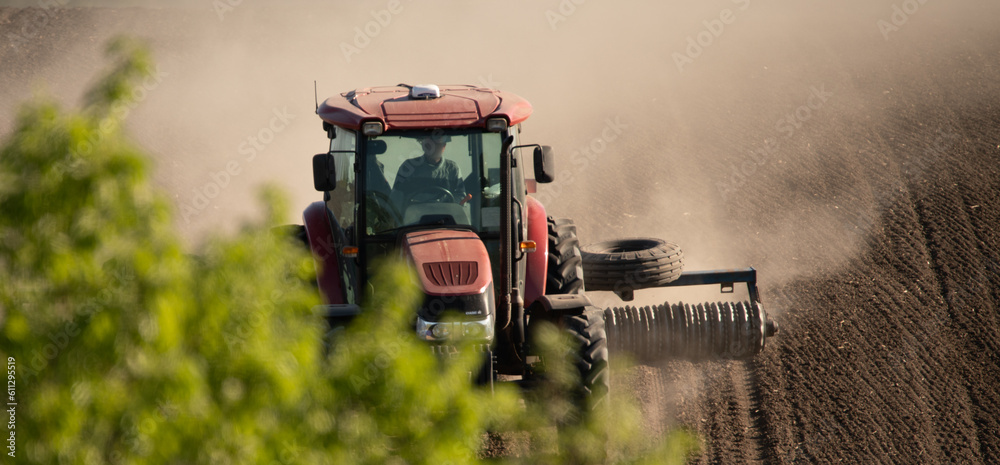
(625, 264)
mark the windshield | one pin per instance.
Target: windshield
(444, 177)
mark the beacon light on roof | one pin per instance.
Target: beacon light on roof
(426, 91)
(372, 128)
(496, 124)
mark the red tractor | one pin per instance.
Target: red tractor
(439, 176)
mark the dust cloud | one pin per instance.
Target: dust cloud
(753, 133)
(728, 126)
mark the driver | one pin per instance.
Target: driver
(427, 171)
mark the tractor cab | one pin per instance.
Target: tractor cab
(394, 185)
(419, 171)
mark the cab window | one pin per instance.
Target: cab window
(441, 177)
(342, 201)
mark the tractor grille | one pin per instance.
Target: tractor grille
(450, 352)
(452, 273)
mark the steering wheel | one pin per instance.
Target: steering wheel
(431, 194)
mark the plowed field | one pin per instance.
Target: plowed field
(849, 152)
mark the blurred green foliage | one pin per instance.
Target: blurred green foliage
(128, 350)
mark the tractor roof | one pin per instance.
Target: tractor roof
(421, 107)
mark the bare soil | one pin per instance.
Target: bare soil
(873, 224)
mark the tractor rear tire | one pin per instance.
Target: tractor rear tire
(565, 267)
(589, 355)
(631, 264)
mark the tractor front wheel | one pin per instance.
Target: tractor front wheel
(589, 355)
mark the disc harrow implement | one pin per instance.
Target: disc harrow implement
(712, 330)
(722, 330)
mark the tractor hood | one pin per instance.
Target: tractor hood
(454, 271)
(449, 262)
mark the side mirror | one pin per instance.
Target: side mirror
(377, 147)
(545, 167)
(324, 173)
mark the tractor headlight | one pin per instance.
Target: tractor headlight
(474, 331)
(496, 124)
(441, 330)
(445, 330)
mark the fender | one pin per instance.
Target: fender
(538, 261)
(317, 221)
(549, 306)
